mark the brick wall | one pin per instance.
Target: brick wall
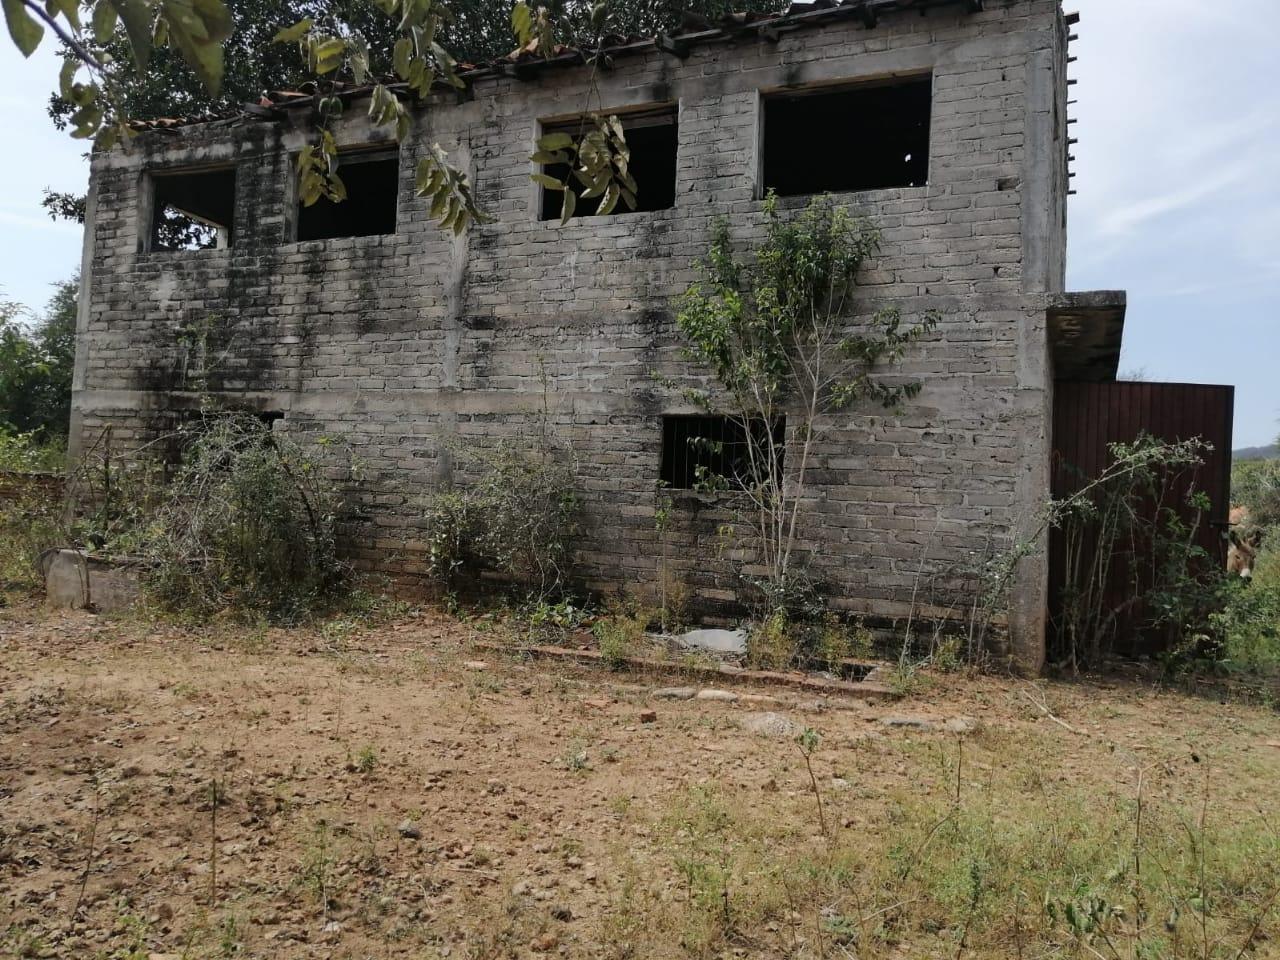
(408, 345)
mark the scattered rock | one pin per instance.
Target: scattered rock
(409, 830)
(769, 725)
(878, 675)
(840, 783)
(545, 943)
(675, 693)
(724, 696)
(596, 704)
(521, 888)
(714, 641)
(910, 723)
(961, 725)
(476, 665)
(649, 716)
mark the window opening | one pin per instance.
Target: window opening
(652, 138)
(710, 452)
(372, 182)
(872, 136)
(193, 210)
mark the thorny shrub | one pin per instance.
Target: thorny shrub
(517, 516)
(247, 524)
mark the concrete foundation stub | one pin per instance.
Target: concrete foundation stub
(76, 581)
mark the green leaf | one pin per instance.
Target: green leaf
(424, 178)
(198, 28)
(327, 55)
(337, 189)
(67, 76)
(359, 50)
(68, 8)
(554, 156)
(401, 55)
(294, 33)
(86, 121)
(551, 183)
(104, 21)
(522, 23)
(610, 200)
(570, 204)
(447, 65)
(555, 141)
(23, 28)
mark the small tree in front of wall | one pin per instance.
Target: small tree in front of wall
(785, 335)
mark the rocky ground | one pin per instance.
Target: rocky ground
(392, 791)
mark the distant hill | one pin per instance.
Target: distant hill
(1257, 453)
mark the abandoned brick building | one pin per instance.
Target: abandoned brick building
(946, 123)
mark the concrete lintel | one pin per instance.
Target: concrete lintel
(1086, 333)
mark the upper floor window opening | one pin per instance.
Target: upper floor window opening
(865, 136)
(192, 209)
(372, 182)
(652, 137)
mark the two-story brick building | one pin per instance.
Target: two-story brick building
(945, 122)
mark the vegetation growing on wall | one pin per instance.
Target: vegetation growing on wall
(784, 334)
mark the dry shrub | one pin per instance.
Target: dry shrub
(517, 516)
(248, 524)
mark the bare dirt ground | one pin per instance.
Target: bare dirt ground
(378, 792)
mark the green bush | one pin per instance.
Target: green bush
(29, 453)
(31, 506)
(247, 525)
(1256, 484)
(518, 517)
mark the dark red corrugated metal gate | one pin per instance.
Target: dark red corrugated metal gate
(1087, 418)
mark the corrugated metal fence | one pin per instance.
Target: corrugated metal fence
(1087, 418)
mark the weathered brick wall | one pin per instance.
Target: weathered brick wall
(405, 345)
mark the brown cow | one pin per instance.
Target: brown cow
(1244, 541)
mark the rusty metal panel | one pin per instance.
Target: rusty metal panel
(1087, 419)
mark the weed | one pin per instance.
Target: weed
(316, 871)
(575, 758)
(772, 645)
(366, 760)
(619, 635)
(808, 742)
(230, 938)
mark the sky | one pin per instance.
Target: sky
(1176, 171)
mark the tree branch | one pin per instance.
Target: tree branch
(75, 46)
